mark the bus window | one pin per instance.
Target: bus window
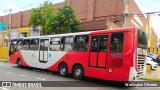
(34, 44)
(103, 44)
(19, 44)
(26, 44)
(142, 39)
(13, 47)
(67, 43)
(81, 43)
(94, 44)
(44, 43)
(116, 42)
(55, 44)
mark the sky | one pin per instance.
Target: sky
(21, 5)
(151, 6)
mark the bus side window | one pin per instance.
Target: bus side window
(81, 43)
(103, 44)
(26, 44)
(67, 43)
(117, 42)
(55, 44)
(19, 44)
(94, 44)
(34, 44)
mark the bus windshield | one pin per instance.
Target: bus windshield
(16, 44)
(142, 39)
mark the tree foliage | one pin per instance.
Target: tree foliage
(65, 21)
(40, 16)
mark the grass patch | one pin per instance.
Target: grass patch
(4, 60)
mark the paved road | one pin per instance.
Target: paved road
(10, 72)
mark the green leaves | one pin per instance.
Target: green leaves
(40, 16)
(64, 21)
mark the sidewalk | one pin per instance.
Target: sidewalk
(154, 75)
(4, 60)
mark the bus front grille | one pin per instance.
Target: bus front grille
(141, 65)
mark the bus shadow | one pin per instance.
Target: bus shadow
(87, 82)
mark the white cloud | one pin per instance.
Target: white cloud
(13, 7)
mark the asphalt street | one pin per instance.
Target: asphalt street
(10, 72)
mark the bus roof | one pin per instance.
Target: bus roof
(79, 33)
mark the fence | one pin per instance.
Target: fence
(3, 49)
(154, 50)
(4, 53)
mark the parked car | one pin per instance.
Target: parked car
(153, 64)
(152, 55)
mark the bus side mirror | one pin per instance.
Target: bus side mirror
(139, 32)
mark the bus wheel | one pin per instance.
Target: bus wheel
(19, 62)
(63, 70)
(78, 72)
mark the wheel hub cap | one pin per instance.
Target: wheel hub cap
(63, 70)
(78, 72)
(19, 62)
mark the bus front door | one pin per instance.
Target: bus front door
(43, 53)
(98, 51)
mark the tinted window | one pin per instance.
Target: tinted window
(14, 42)
(142, 39)
(116, 42)
(103, 44)
(81, 43)
(94, 44)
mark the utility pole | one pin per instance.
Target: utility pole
(125, 12)
(9, 27)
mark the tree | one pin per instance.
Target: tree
(40, 16)
(65, 21)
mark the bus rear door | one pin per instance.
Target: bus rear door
(98, 51)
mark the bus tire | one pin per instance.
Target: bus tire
(63, 70)
(19, 62)
(78, 72)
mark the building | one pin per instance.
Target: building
(94, 15)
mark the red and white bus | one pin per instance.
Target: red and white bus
(118, 55)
